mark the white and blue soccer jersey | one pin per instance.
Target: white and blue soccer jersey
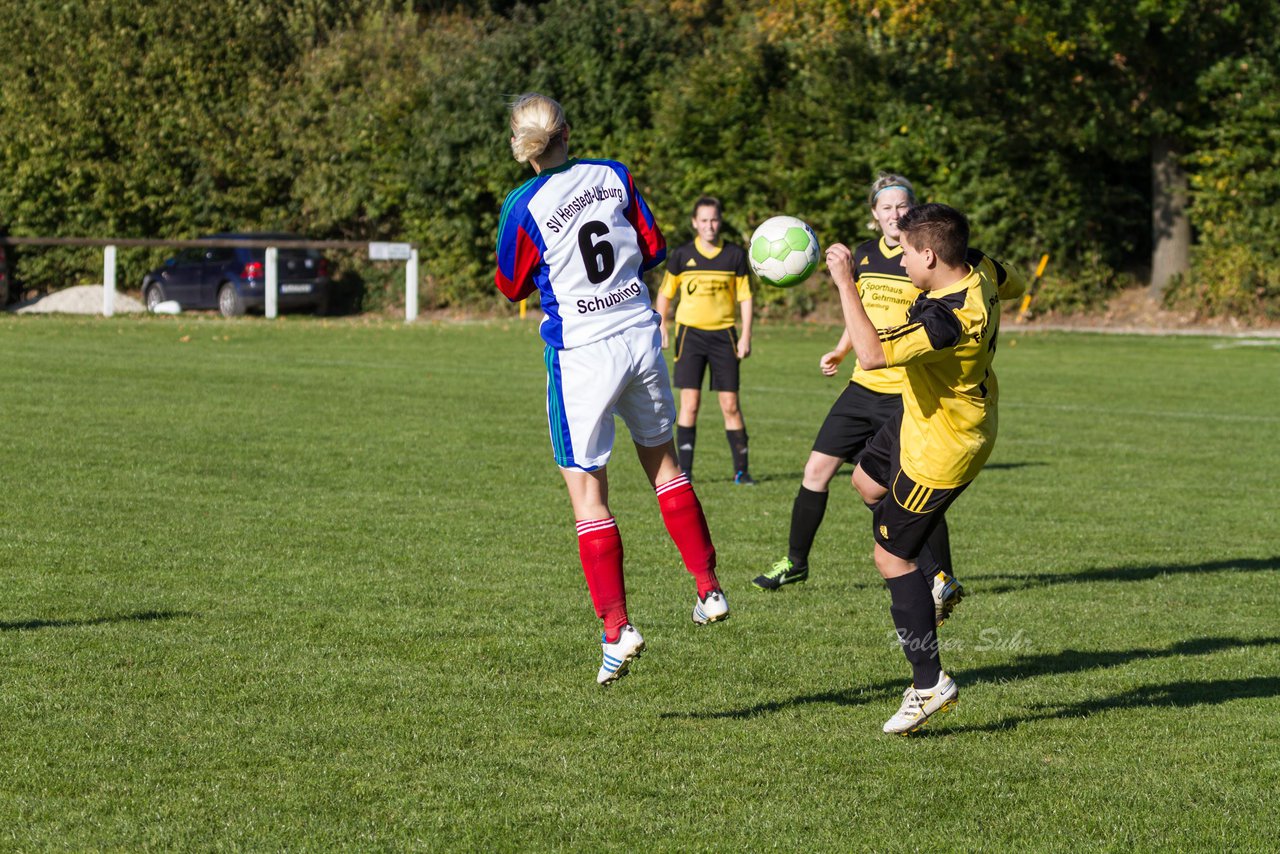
(581, 235)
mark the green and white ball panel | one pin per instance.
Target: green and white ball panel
(784, 251)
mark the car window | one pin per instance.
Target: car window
(220, 254)
(188, 255)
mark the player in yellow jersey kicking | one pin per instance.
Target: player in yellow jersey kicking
(872, 398)
(920, 462)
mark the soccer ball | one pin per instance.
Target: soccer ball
(784, 251)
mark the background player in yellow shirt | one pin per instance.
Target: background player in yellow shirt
(919, 463)
(709, 278)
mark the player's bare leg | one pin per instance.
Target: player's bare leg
(659, 462)
(588, 492)
(870, 491)
(819, 470)
(687, 525)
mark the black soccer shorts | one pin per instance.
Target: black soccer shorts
(908, 513)
(855, 417)
(698, 348)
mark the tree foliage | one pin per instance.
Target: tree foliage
(1235, 182)
(387, 120)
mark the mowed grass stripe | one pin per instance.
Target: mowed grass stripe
(314, 585)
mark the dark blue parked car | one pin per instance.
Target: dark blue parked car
(6, 286)
(233, 280)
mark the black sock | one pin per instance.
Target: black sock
(686, 438)
(935, 557)
(738, 447)
(912, 610)
(806, 515)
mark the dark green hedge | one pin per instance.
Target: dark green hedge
(383, 120)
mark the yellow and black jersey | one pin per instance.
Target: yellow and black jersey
(710, 281)
(887, 294)
(950, 394)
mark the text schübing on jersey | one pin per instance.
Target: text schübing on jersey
(622, 294)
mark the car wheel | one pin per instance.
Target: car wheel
(152, 295)
(229, 302)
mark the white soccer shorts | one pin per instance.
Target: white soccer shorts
(624, 375)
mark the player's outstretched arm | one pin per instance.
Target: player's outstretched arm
(663, 306)
(829, 364)
(744, 341)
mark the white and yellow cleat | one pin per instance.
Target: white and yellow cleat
(918, 706)
(947, 594)
(711, 608)
(619, 654)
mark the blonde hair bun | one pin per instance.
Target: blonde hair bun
(535, 121)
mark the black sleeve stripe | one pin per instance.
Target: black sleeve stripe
(893, 333)
(942, 327)
(1001, 272)
(974, 258)
(949, 303)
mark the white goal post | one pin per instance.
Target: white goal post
(407, 252)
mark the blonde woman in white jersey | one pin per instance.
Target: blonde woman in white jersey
(580, 234)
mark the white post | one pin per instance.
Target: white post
(411, 287)
(108, 281)
(272, 282)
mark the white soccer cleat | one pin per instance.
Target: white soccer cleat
(710, 608)
(619, 654)
(917, 706)
(947, 594)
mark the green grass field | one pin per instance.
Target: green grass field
(313, 586)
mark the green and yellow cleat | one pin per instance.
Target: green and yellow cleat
(782, 572)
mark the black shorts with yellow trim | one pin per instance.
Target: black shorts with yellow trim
(696, 349)
(856, 416)
(908, 513)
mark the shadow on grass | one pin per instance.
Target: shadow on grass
(1126, 573)
(845, 697)
(1023, 667)
(1010, 582)
(1008, 466)
(1173, 695)
(139, 617)
(1076, 661)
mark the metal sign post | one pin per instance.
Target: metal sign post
(108, 281)
(411, 287)
(272, 283)
(406, 253)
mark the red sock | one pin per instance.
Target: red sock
(682, 513)
(600, 547)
